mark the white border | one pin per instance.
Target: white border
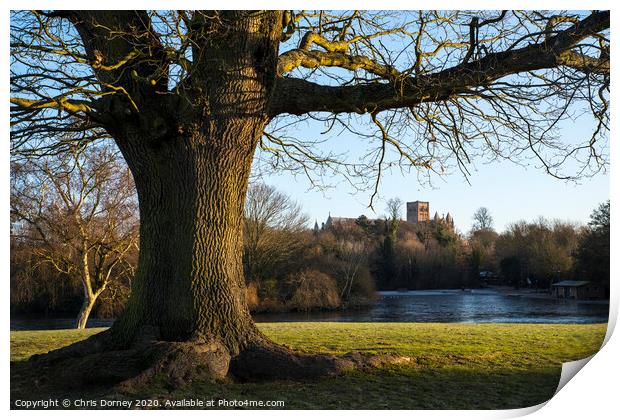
(592, 394)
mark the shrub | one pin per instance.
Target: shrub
(251, 296)
(269, 289)
(363, 287)
(313, 290)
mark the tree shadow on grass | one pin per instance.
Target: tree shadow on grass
(402, 388)
(394, 387)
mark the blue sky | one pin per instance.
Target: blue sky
(510, 191)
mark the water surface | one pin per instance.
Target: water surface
(475, 306)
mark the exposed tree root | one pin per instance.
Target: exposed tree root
(94, 362)
(181, 363)
(269, 361)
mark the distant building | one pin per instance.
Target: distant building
(418, 212)
(572, 289)
(449, 220)
(339, 222)
(349, 222)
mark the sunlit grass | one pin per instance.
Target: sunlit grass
(454, 365)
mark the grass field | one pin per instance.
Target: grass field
(454, 366)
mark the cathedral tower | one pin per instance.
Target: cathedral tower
(418, 212)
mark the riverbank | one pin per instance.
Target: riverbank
(509, 291)
(453, 366)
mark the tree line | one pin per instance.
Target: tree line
(538, 253)
(526, 254)
(75, 240)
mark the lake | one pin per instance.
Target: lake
(475, 306)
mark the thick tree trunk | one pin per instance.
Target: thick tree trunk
(189, 284)
(187, 317)
(191, 160)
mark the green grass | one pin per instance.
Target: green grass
(455, 366)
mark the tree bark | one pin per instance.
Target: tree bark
(87, 306)
(189, 284)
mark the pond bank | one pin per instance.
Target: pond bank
(539, 294)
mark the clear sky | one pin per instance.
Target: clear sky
(511, 192)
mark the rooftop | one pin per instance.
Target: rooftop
(573, 283)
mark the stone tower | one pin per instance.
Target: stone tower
(450, 220)
(418, 212)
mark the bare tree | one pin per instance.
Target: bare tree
(394, 207)
(387, 264)
(190, 96)
(482, 219)
(79, 212)
(273, 227)
(352, 255)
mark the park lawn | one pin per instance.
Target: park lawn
(454, 366)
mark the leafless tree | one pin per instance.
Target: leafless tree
(79, 213)
(273, 230)
(190, 96)
(541, 250)
(352, 255)
(394, 208)
(482, 219)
